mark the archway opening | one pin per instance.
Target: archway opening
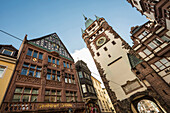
(148, 106)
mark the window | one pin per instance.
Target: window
(2, 70)
(58, 62)
(80, 74)
(24, 94)
(143, 34)
(67, 65)
(31, 70)
(7, 52)
(48, 76)
(165, 38)
(53, 60)
(84, 88)
(146, 51)
(24, 71)
(58, 75)
(64, 63)
(40, 56)
(154, 43)
(66, 81)
(98, 54)
(71, 96)
(70, 66)
(105, 48)
(162, 64)
(29, 53)
(113, 42)
(52, 95)
(35, 54)
(109, 55)
(49, 58)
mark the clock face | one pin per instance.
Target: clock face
(100, 41)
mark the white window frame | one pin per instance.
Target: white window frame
(1, 76)
(162, 64)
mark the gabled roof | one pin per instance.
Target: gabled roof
(52, 43)
(134, 61)
(10, 46)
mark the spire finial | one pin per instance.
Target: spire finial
(85, 18)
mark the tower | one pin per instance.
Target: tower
(113, 61)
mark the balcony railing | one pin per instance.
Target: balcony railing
(32, 106)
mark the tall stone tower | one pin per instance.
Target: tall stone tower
(111, 55)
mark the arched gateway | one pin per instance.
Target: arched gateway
(146, 104)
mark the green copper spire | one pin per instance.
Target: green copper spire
(88, 21)
(97, 18)
(82, 31)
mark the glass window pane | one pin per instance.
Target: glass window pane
(53, 92)
(53, 60)
(67, 65)
(49, 70)
(34, 98)
(53, 77)
(24, 71)
(16, 98)
(2, 69)
(140, 36)
(29, 53)
(69, 80)
(35, 91)
(70, 66)
(18, 90)
(49, 58)
(27, 90)
(31, 73)
(7, 52)
(54, 71)
(38, 74)
(25, 98)
(84, 88)
(53, 99)
(165, 38)
(66, 80)
(58, 93)
(157, 42)
(152, 45)
(58, 99)
(38, 68)
(35, 54)
(165, 62)
(64, 64)
(41, 56)
(147, 51)
(48, 77)
(58, 72)
(80, 75)
(26, 65)
(32, 66)
(58, 77)
(47, 92)
(58, 62)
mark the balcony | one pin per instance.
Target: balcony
(39, 106)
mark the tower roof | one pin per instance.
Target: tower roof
(134, 61)
(88, 22)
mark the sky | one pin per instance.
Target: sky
(37, 18)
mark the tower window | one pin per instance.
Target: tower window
(105, 48)
(109, 55)
(98, 54)
(113, 42)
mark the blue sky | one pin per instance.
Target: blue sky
(41, 17)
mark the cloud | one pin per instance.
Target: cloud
(84, 54)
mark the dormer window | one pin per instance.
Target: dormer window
(7, 52)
